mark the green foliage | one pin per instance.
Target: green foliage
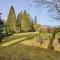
(44, 36)
(32, 26)
(25, 22)
(31, 23)
(37, 27)
(1, 28)
(19, 18)
(35, 20)
(11, 21)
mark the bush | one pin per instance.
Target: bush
(59, 40)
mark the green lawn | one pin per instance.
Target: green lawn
(18, 36)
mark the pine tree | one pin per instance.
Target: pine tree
(36, 26)
(25, 23)
(1, 28)
(35, 20)
(19, 18)
(31, 23)
(11, 21)
(32, 26)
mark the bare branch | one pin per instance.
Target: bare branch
(52, 5)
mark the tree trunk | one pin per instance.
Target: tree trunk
(50, 46)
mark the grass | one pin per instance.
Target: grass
(28, 35)
(18, 51)
(17, 36)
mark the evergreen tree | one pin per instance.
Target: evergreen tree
(25, 23)
(19, 18)
(35, 20)
(36, 26)
(5, 26)
(11, 21)
(1, 28)
(31, 23)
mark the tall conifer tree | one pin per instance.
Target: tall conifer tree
(25, 22)
(1, 28)
(11, 21)
(19, 18)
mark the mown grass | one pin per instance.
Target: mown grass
(28, 35)
(17, 36)
(22, 52)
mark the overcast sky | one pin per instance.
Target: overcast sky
(41, 12)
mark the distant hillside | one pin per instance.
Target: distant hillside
(48, 28)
